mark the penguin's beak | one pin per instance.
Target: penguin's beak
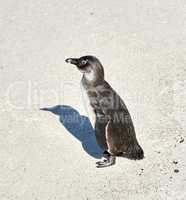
(73, 61)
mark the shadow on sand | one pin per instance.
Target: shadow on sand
(79, 126)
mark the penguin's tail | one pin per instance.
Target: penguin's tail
(135, 152)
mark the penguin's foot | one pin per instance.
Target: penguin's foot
(106, 162)
(106, 154)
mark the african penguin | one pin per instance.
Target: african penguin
(114, 129)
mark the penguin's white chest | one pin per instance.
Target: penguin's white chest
(88, 108)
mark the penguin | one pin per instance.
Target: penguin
(114, 129)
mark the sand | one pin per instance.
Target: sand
(49, 155)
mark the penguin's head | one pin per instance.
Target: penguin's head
(90, 66)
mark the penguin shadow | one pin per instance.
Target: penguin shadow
(79, 126)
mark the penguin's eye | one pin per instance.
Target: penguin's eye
(84, 62)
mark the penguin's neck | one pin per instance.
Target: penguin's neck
(90, 76)
(92, 79)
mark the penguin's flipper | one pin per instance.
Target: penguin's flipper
(111, 160)
(100, 133)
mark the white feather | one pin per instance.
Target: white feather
(89, 75)
(88, 107)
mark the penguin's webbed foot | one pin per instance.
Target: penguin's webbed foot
(106, 162)
(106, 154)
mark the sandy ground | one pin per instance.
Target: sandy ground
(142, 45)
